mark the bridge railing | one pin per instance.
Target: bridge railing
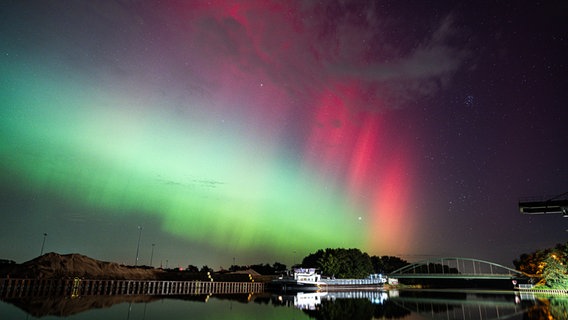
(82, 287)
(458, 267)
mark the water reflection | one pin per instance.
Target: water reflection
(345, 305)
(406, 304)
(67, 306)
(312, 300)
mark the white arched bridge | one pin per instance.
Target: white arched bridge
(457, 268)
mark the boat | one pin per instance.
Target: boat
(301, 280)
(372, 282)
(308, 279)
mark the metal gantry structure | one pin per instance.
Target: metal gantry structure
(551, 205)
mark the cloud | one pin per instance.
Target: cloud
(421, 72)
(306, 49)
(298, 50)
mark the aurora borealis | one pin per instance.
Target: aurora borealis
(265, 130)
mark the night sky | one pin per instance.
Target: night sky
(261, 131)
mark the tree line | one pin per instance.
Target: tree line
(339, 263)
(351, 263)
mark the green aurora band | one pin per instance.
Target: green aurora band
(88, 143)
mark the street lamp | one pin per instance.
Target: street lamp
(43, 244)
(152, 254)
(138, 247)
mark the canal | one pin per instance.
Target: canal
(393, 304)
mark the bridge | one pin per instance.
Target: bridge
(457, 268)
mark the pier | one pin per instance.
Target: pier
(15, 288)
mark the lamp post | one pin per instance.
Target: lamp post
(43, 244)
(152, 254)
(138, 247)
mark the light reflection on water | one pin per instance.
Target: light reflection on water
(406, 304)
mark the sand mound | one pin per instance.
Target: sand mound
(56, 266)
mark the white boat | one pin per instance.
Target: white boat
(308, 279)
(302, 279)
(371, 282)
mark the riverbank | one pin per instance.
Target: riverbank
(54, 266)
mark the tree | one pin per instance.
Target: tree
(550, 264)
(531, 263)
(341, 263)
(329, 263)
(262, 268)
(234, 268)
(391, 263)
(311, 260)
(191, 268)
(378, 264)
(555, 273)
(279, 267)
(205, 269)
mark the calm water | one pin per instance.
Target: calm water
(407, 304)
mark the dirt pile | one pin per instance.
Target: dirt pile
(56, 266)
